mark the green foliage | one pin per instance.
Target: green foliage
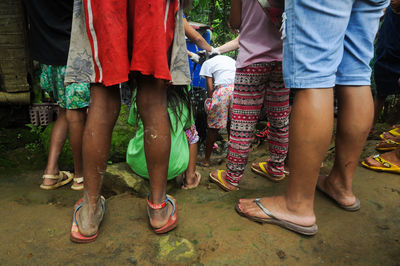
(214, 13)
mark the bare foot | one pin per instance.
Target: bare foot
(336, 190)
(89, 217)
(191, 180)
(388, 156)
(278, 207)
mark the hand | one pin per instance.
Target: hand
(195, 57)
(215, 51)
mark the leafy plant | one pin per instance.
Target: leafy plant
(214, 13)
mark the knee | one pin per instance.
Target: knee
(74, 116)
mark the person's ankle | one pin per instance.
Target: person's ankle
(190, 177)
(339, 183)
(300, 207)
(51, 171)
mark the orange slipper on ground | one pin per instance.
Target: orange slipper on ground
(76, 236)
(172, 222)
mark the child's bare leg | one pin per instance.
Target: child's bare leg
(57, 140)
(76, 124)
(103, 112)
(151, 100)
(210, 140)
(190, 171)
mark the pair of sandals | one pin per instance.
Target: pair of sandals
(260, 168)
(77, 237)
(300, 229)
(63, 178)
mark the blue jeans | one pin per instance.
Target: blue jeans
(329, 42)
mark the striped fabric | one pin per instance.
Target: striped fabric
(257, 85)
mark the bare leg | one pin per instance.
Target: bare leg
(103, 112)
(57, 140)
(190, 176)
(379, 102)
(76, 124)
(311, 125)
(353, 124)
(210, 140)
(151, 100)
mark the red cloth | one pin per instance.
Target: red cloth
(130, 36)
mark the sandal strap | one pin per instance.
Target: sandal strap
(172, 203)
(162, 205)
(156, 206)
(389, 141)
(383, 162)
(79, 180)
(55, 177)
(265, 210)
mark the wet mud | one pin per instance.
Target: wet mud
(35, 225)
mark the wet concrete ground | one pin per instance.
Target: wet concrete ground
(35, 226)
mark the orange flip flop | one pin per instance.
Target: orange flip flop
(75, 235)
(172, 222)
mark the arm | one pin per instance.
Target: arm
(235, 16)
(195, 37)
(210, 87)
(229, 46)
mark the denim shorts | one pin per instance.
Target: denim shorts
(328, 42)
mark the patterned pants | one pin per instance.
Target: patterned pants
(257, 85)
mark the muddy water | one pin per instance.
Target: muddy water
(35, 225)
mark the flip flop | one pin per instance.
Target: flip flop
(264, 172)
(197, 177)
(351, 208)
(395, 132)
(392, 145)
(78, 186)
(75, 235)
(386, 165)
(60, 180)
(300, 229)
(221, 182)
(172, 222)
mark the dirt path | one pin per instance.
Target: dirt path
(35, 224)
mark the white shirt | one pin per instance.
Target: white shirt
(221, 68)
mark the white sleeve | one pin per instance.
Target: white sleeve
(206, 70)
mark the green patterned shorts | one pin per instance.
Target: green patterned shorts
(73, 96)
